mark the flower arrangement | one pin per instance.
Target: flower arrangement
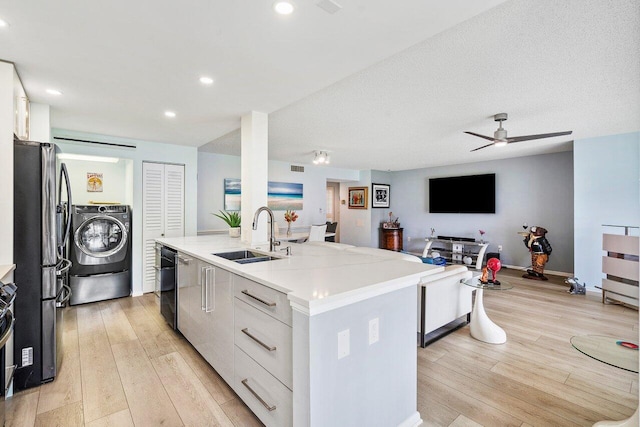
(481, 236)
(290, 216)
(433, 232)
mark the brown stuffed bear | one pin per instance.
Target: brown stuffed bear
(540, 249)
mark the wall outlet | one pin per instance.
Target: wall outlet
(374, 331)
(343, 344)
(409, 239)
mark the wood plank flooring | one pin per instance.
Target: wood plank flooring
(124, 366)
(536, 378)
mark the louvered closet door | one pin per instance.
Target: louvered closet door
(162, 211)
(174, 200)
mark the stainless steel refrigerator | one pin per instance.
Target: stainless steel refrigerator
(41, 228)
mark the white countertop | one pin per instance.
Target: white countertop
(6, 269)
(315, 278)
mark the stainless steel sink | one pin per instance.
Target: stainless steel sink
(245, 256)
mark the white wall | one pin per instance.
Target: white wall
(607, 191)
(214, 168)
(143, 151)
(536, 189)
(117, 181)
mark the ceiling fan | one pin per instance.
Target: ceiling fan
(500, 135)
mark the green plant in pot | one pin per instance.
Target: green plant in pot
(233, 221)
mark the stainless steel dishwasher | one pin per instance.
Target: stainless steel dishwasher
(166, 283)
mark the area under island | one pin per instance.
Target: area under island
(324, 336)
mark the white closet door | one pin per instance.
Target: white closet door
(162, 211)
(174, 200)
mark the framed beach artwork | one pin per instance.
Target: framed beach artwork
(358, 197)
(380, 195)
(281, 196)
(231, 194)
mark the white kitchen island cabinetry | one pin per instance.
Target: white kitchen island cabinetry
(303, 352)
(205, 311)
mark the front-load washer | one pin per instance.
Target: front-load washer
(100, 253)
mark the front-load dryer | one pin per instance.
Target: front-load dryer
(100, 253)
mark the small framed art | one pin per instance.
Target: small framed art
(380, 195)
(358, 197)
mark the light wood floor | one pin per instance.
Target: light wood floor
(536, 378)
(123, 366)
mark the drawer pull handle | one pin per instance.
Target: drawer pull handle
(265, 404)
(247, 333)
(267, 303)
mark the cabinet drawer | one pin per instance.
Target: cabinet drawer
(271, 401)
(265, 299)
(265, 339)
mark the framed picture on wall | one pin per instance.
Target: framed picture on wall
(358, 197)
(380, 195)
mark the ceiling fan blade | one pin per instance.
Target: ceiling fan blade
(484, 146)
(540, 136)
(481, 136)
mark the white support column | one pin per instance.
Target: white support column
(254, 137)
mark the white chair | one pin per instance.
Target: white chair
(317, 232)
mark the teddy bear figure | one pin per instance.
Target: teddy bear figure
(540, 249)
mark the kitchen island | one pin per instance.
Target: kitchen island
(321, 337)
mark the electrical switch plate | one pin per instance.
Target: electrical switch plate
(499, 248)
(343, 344)
(374, 331)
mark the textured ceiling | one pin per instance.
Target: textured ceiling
(379, 87)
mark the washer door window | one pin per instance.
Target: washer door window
(101, 236)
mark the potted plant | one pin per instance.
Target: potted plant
(233, 221)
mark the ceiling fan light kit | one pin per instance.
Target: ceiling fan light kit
(500, 138)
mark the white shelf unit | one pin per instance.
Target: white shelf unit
(620, 266)
(455, 250)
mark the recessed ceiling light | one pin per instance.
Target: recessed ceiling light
(206, 80)
(3, 23)
(54, 92)
(283, 7)
(169, 114)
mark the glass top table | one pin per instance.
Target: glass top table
(607, 350)
(481, 327)
(475, 282)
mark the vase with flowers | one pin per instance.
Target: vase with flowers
(290, 216)
(481, 236)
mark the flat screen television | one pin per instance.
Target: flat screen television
(463, 194)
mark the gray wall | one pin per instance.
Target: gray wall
(607, 191)
(214, 168)
(535, 189)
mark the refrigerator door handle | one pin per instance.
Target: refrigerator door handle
(66, 290)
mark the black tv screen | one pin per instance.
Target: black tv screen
(463, 194)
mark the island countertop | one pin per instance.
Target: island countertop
(316, 279)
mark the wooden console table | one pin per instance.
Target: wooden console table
(391, 238)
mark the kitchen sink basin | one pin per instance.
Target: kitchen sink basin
(245, 256)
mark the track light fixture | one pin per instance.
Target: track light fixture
(321, 158)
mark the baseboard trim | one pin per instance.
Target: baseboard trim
(555, 273)
(413, 421)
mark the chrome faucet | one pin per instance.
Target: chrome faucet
(272, 239)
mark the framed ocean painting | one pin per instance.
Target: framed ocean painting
(281, 196)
